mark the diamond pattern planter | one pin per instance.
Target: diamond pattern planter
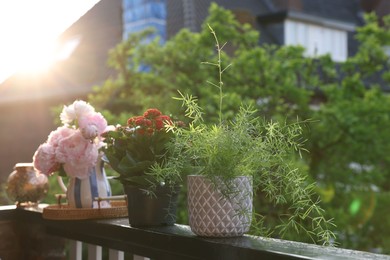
(211, 214)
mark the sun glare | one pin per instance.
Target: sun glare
(28, 31)
(37, 58)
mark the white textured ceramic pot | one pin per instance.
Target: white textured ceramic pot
(212, 214)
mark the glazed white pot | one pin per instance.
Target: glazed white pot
(81, 193)
(212, 214)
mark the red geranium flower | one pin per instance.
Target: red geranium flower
(134, 148)
(161, 120)
(152, 113)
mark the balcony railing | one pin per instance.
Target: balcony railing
(24, 234)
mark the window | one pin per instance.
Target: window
(317, 39)
(141, 14)
(145, 11)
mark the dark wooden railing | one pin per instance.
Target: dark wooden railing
(24, 234)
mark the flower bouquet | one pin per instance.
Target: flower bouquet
(73, 150)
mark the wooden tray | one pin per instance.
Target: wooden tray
(64, 212)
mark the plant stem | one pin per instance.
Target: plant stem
(220, 71)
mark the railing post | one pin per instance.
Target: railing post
(116, 255)
(94, 252)
(75, 250)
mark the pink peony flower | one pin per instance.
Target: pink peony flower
(89, 132)
(92, 122)
(78, 109)
(77, 154)
(82, 108)
(44, 159)
(75, 145)
(60, 133)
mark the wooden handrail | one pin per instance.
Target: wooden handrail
(175, 242)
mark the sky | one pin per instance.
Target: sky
(28, 32)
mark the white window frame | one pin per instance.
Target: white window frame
(317, 39)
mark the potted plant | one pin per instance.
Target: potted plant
(133, 150)
(72, 150)
(231, 161)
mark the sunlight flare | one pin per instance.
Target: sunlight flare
(28, 34)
